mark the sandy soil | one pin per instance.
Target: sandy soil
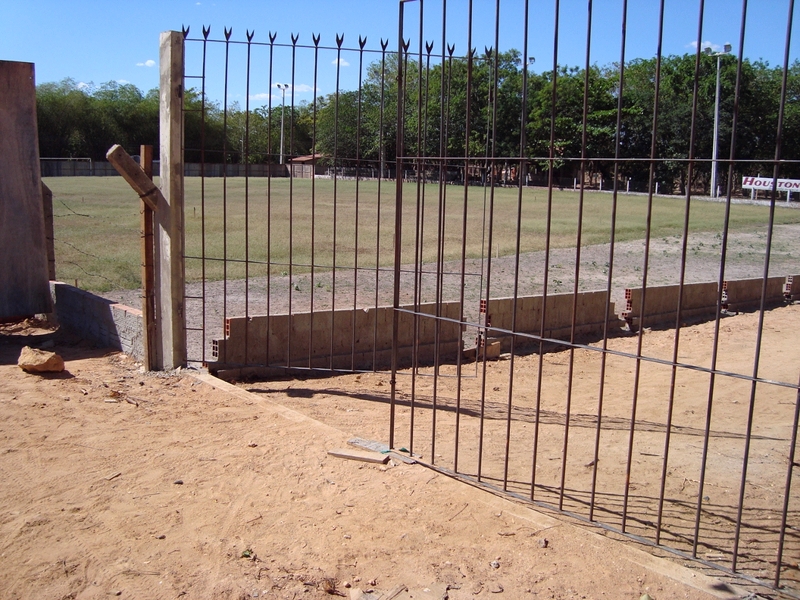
(498, 435)
(119, 483)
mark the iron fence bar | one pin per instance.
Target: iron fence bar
(339, 41)
(645, 267)
(656, 106)
(548, 232)
(464, 222)
(721, 279)
(290, 320)
(419, 227)
(227, 33)
(712, 378)
(778, 152)
(791, 466)
(442, 204)
(677, 336)
(613, 229)
(267, 344)
(576, 284)
(358, 179)
(246, 151)
(381, 151)
(761, 312)
(523, 120)
(398, 224)
(316, 39)
(206, 32)
(488, 261)
(439, 253)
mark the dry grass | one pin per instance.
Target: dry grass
(274, 221)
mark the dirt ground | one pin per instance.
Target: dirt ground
(565, 469)
(121, 483)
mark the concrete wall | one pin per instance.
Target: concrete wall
(745, 294)
(590, 313)
(661, 303)
(300, 341)
(699, 300)
(98, 320)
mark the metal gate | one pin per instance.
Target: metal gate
(560, 267)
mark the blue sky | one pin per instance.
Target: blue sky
(95, 42)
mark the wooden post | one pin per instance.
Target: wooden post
(24, 287)
(140, 178)
(148, 276)
(168, 219)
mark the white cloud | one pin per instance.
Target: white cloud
(82, 85)
(147, 63)
(300, 89)
(122, 81)
(263, 96)
(342, 62)
(704, 45)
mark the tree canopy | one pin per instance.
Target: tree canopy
(512, 112)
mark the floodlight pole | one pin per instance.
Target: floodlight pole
(282, 87)
(719, 56)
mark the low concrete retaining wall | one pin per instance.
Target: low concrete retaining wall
(299, 341)
(745, 294)
(362, 339)
(699, 300)
(99, 320)
(590, 315)
(661, 303)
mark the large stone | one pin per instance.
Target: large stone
(40, 361)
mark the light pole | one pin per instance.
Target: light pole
(719, 55)
(282, 87)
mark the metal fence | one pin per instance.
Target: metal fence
(511, 219)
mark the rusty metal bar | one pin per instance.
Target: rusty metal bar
(289, 345)
(398, 224)
(381, 167)
(246, 158)
(778, 153)
(227, 33)
(578, 244)
(316, 39)
(523, 118)
(361, 43)
(613, 228)
(267, 345)
(548, 235)
(459, 372)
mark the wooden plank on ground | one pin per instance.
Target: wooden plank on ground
(24, 282)
(380, 447)
(362, 455)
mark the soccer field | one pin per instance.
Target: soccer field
(260, 220)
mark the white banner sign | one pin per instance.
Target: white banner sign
(765, 183)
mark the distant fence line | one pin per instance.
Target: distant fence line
(84, 167)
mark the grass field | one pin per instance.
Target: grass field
(97, 224)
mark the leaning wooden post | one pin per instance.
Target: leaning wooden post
(168, 219)
(139, 177)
